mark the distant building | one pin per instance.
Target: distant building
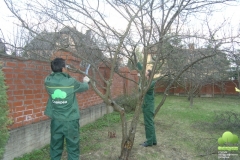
(83, 46)
(44, 45)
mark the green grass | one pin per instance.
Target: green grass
(203, 109)
(40, 154)
(195, 130)
(183, 132)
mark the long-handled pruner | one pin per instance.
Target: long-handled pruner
(86, 72)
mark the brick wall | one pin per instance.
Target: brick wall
(27, 96)
(229, 88)
(26, 93)
(209, 89)
(118, 84)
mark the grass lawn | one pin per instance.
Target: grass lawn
(183, 132)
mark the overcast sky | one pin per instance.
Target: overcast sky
(231, 13)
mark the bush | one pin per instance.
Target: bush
(227, 120)
(4, 121)
(128, 102)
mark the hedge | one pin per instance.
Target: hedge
(4, 120)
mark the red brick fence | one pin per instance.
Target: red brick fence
(26, 92)
(216, 88)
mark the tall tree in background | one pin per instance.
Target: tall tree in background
(234, 70)
(206, 72)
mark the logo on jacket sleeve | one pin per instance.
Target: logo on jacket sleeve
(59, 94)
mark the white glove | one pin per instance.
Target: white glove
(138, 75)
(139, 86)
(86, 79)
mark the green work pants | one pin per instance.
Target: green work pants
(148, 115)
(68, 130)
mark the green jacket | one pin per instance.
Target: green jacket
(149, 96)
(62, 103)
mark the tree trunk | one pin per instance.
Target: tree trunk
(222, 87)
(213, 92)
(127, 139)
(126, 148)
(191, 99)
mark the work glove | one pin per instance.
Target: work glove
(139, 86)
(86, 79)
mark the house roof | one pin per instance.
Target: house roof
(43, 41)
(70, 39)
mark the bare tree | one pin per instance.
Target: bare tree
(235, 60)
(147, 24)
(15, 43)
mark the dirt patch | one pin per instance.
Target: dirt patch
(178, 139)
(110, 147)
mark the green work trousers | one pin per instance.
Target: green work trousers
(148, 115)
(68, 130)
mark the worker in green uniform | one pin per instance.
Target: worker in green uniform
(148, 112)
(63, 109)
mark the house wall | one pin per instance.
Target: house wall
(27, 100)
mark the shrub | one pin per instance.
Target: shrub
(4, 121)
(227, 120)
(128, 102)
